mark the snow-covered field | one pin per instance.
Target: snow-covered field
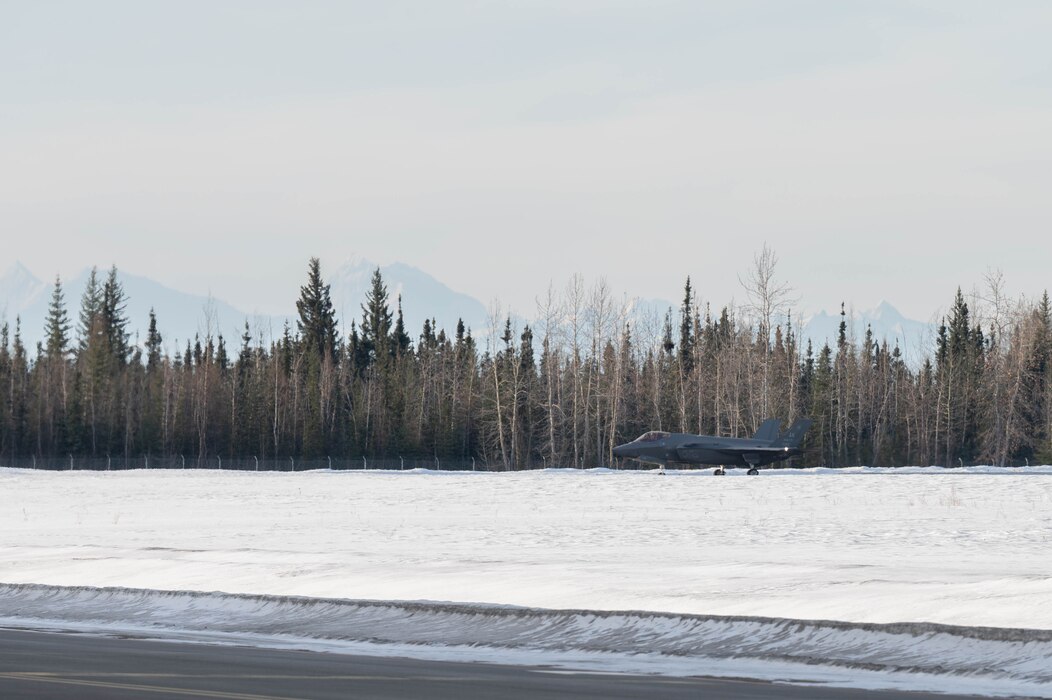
(959, 547)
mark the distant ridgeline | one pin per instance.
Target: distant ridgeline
(589, 376)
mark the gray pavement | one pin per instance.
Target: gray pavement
(84, 667)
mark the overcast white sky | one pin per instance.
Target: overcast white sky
(885, 149)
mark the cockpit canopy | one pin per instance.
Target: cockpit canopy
(652, 436)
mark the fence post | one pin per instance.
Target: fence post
(438, 465)
(71, 461)
(402, 466)
(146, 458)
(330, 463)
(220, 461)
(961, 461)
(292, 462)
(108, 459)
(365, 465)
(183, 459)
(257, 462)
(472, 464)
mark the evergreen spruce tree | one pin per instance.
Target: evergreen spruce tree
(244, 355)
(959, 351)
(841, 341)
(667, 343)
(18, 394)
(285, 351)
(357, 352)
(242, 408)
(94, 367)
(401, 343)
(58, 326)
(317, 319)
(428, 341)
(686, 335)
(823, 405)
(74, 418)
(153, 400)
(805, 382)
(668, 379)
(319, 352)
(222, 360)
(90, 310)
(524, 398)
(724, 330)
(52, 365)
(376, 321)
(153, 344)
(114, 320)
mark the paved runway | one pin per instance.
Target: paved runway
(81, 667)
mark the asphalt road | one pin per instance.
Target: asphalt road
(83, 667)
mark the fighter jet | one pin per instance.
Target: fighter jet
(765, 447)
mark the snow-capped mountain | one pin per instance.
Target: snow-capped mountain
(19, 289)
(180, 316)
(913, 337)
(423, 296)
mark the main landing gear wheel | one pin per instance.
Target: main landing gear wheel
(753, 471)
(720, 471)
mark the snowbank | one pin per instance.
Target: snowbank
(904, 656)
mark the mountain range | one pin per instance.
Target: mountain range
(422, 296)
(181, 315)
(914, 338)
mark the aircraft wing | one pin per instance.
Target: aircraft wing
(700, 452)
(733, 451)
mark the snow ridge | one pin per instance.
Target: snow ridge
(919, 656)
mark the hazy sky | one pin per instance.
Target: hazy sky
(885, 149)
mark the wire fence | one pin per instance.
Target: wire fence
(301, 464)
(286, 464)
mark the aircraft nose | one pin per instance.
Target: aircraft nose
(621, 451)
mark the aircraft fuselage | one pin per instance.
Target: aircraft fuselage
(684, 448)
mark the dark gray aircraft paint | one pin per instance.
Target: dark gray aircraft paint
(767, 446)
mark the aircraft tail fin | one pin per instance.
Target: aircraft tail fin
(794, 436)
(768, 430)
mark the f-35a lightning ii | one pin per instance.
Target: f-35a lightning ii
(765, 447)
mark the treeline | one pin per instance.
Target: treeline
(585, 377)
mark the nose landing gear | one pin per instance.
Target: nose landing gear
(719, 471)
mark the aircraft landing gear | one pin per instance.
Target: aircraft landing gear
(753, 471)
(719, 471)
